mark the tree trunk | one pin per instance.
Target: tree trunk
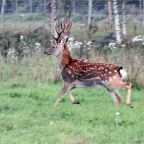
(89, 18)
(30, 6)
(3, 7)
(60, 8)
(124, 32)
(16, 6)
(140, 7)
(53, 16)
(110, 15)
(45, 6)
(89, 11)
(74, 7)
(117, 22)
(143, 13)
(68, 8)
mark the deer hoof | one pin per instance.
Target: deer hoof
(130, 106)
(76, 102)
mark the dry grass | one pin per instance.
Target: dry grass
(42, 68)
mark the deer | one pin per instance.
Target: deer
(76, 73)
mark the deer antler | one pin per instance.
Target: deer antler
(58, 31)
(62, 28)
(66, 25)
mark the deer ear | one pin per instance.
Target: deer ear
(65, 38)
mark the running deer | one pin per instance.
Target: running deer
(76, 73)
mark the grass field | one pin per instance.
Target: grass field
(27, 116)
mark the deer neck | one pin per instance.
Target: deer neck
(64, 57)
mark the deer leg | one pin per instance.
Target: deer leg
(120, 84)
(128, 97)
(65, 89)
(127, 86)
(116, 98)
(72, 99)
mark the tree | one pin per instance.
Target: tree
(53, 16)
(89, 11)
(110, 15)
(117, 22)
(16, 5)
(45, 6)
(74, 6)
(68, 8)
(140, 6)
(124, 32)
(143, 13)
(30, 6)
(3, 7)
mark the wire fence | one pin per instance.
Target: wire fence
(75, 8)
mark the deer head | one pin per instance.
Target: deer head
(62, 31)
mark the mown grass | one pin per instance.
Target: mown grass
(27, 116)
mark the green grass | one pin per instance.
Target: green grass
(27, 116)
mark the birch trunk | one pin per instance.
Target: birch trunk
(73, 7)
(140, 7)
(53, 17)
(143, 13)
(68, 8)
(3, 7)
(124, 32)
(30, 6)
(45, 6)
(117, 22)
(110, 15)
(16, 6)
(89, 11)
(60, 6)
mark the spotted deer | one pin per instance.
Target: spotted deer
(76, 73)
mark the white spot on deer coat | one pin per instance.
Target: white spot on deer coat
(69, 71)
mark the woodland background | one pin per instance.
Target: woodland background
(110, 31)
(102, 30)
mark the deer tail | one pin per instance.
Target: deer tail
(122, 73)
